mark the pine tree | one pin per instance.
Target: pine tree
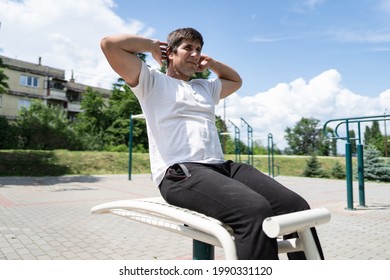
(373, 136)
(375, 169)
(313, 168)
(337, 171)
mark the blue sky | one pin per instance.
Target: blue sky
(277, 41)
(321, 59)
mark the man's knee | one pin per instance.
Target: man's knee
(257, 212)
(299, 203)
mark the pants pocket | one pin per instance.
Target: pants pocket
(174, 182)
(177, 172)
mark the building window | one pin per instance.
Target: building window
(28, 81)
(24, 104)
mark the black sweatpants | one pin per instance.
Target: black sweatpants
(238, 195)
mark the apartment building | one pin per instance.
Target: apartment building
(28, 82)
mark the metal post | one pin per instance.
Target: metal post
(130, 146)
(360, 158)
(271, 169)
(360, 163)
(348, 171)
(386, 145)
(202, 251)
(236, 142)
(250, 141)
(348, 166)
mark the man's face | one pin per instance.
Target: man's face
(185, 60)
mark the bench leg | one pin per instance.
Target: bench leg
(309, 245)
(202, 251)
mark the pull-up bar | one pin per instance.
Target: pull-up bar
(348, 153)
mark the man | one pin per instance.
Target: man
(186, 157)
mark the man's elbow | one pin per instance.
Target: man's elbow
(105, 43)
(238, 83)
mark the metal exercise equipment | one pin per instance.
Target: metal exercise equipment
(271, 164)
(348, 152)
(250, 140)
(237, 150)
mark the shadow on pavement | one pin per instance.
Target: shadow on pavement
(45, 181)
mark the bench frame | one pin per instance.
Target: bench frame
(208, 232)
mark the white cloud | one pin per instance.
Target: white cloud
(323, 98)
(384, 100)
(65, 33)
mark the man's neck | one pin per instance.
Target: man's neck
(174, 73)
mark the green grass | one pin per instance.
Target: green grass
(290, 165)
(63, 162)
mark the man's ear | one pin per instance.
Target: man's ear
(169, 52)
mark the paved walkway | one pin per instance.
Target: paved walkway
(49, 218)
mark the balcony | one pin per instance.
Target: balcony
(74, 107)
(57, 94)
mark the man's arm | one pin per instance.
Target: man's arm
(231, 80)
(121, 50)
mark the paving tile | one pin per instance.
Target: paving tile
(49, 218)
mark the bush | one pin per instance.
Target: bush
(337, 171)
(43, 127)
(8, 135)
(313, 168)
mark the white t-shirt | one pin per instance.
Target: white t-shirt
(180, 119)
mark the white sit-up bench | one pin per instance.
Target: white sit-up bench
(208, 232)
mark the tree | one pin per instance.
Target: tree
(313, 168)
(305, 138)
(325, 144)
(93, 108)
(201, 75)
(375, 169)
(373, 136)
(338, 171)
(3, 79)
(91, 123)
(44, 127)
(259, 149)
(8, 135)
(122, 104)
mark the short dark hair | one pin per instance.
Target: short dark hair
(175, 37)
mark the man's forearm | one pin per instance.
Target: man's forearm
(231, 80)
(129, 43)
(225, 72)
(120, 52)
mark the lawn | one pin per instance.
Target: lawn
(63, 162)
